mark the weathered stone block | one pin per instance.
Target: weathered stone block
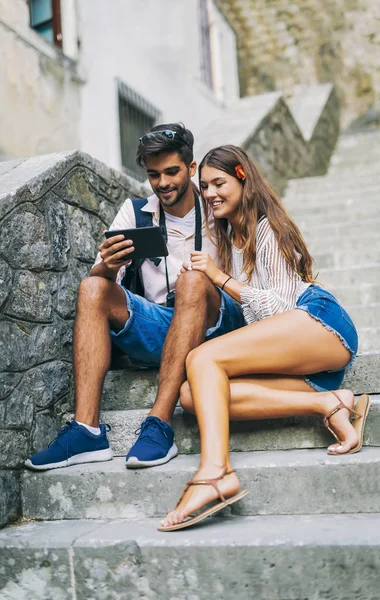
(9, 496)
(24, 345)
(31, 297)
(75, 189)
(24, 240)
(123, 570)
(107, 213)
(45, 384)
(5, 281)
(8, 382)
(14, 448)
(83, 244)
(19, 409)
(66, 339)
(68, 288)
(58, 230)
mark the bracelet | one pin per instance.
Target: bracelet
(226, 282)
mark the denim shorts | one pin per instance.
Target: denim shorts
(322, 306)
(143, 336)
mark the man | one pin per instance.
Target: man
(149, 332)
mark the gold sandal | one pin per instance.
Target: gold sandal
(210, 511)
(362, 406)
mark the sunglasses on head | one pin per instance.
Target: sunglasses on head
(168, 133)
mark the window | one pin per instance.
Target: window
(206, 57)
(45, 18)
(136, 116)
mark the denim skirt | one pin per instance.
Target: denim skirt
(322, 306)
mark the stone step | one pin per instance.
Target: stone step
(337, 259)
(336, 230)
(369, 339)
(346, 216)
(369, 274)
(133, 388)
(327, 201)
(336, 178)
(246, 436)
(361, 294)
(319, 484)
(355, 158)
(365, 317)
(265, 558)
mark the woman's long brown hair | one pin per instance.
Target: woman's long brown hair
(258, 200)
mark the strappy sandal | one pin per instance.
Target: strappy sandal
(210, 511)
(362, 406)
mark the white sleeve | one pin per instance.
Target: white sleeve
(282, 285)
(125, 219)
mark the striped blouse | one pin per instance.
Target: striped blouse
(273, 288)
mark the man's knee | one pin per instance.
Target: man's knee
(185, 398)
(195, 285)
(94, 290)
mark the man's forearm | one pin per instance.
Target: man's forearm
(100, 270)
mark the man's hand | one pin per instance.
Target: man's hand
(114, 252)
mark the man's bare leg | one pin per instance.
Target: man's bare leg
(101, 305)
(197, 304)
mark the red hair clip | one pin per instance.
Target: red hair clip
(240, 174)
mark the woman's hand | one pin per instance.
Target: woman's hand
(201, 261)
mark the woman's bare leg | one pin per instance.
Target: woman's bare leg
(291, 343)
(254, 398)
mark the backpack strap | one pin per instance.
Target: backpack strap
(143, 219)
(132, 279)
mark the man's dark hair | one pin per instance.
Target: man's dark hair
(182, 143)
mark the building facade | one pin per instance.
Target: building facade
(39, 80)
(282, 43)
(95, 75)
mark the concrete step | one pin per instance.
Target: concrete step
(246, 436)
(135, 388)
(365, 316)
(345, 216)
(310, 557)
(369, 339)
(319, 484)
(343, 178)
(362, 294)
(334, 231)
(328, 201)
(352, 243)
(339, 258)
(355, 275)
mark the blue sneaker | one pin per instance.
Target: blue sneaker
(155, 445)
(73, 445)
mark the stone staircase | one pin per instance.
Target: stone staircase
(310, 527)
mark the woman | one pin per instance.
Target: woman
(291, 356)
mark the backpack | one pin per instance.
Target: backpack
(132, 279)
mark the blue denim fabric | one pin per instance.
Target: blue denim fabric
(322, 306)
(143, 336)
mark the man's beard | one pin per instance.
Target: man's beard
(177, 198)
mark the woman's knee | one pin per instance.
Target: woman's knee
(198, 357)
(186, 398)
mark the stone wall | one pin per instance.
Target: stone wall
(282, 43)
(53, 210)
(287, 137)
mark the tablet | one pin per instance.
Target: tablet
(148, 241)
